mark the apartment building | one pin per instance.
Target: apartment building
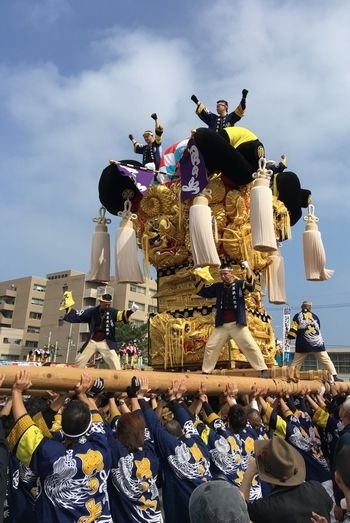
(21, 307)
(30, 319)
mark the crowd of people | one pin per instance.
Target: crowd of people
(136, 456)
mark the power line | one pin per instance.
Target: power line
(326, 306)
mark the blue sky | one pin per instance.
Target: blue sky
(77, 76)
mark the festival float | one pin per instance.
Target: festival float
(204, 207)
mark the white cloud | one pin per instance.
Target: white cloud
(60, 130)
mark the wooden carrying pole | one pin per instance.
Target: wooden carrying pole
(65, 379)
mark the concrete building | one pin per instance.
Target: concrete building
(10, 343)
(30, 319)
(21, 308)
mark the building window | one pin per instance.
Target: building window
(152, 309)
(9, 340)
(140, 306)
(37, 301)
(341, 362)
(34, 330)
(9, 300)
(89, 302)
(35, 315)
(7, 314)
(31, 344)
(138, 288)
(152, 292)
(39, 288)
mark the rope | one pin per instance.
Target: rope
(101, 219)
(126, 214)
(262, 172)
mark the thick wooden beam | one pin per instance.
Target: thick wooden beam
(65, 379)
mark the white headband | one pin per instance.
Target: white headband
(79, 435)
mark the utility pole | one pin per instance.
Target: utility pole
(55, 352)
(69, 341)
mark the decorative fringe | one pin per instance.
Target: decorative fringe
(314, 253)
(100, 249)
(201, 232)
(276, 279)
(174, 342)
(145, 250)
(127, 268)
(282, 220)
(261, 211)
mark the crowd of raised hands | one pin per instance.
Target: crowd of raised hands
(173, 425)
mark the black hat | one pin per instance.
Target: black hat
(106, 298)
(289, 191)
(114, 188)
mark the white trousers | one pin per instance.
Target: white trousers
(322, 357)
(244, 339)
(110, 357)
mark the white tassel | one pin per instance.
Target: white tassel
(276, 279)
(127, 268)
(314, 253)
(100, 249)
(201, 232)
(261, 211)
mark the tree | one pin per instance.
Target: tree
(131, 334)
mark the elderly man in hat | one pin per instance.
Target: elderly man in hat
(292, 499)
(102, 323)
(223, 118)
(230, 318)
(305, 330)
(152, 150)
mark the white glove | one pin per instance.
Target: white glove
(245, 265)
(134, 307)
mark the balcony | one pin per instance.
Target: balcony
(90, 293)
(6, 306)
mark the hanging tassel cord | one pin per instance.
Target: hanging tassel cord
(126, 215)
(101, 220)
(314, 261)
(263, 175)
(311, 219)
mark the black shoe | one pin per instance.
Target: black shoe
(337, 379)
(206, 373)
